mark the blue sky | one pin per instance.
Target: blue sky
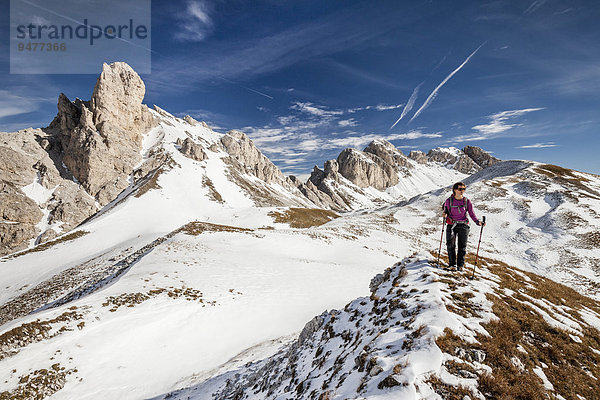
(305, 79)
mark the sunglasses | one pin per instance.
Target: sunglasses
(462, 189)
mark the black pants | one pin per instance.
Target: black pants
(462, 232)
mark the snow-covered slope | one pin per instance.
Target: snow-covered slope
(428, 334)
(188, 267)
(541, 218)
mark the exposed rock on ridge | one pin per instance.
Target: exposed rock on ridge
(26, 167)
(192, 150)
(481, 158)
(380, 166)
(84, 156)
(100, 140)
(247, 157)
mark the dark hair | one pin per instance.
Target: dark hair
(456, 186)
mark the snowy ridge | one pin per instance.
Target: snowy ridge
(541, 218)
(428, 334)
(380, 346)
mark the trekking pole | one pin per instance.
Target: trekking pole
(441, 238)
(477, 255)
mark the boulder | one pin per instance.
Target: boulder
(192, 150)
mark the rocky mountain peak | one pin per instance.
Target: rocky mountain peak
(375, 168)
(117, 100)
(454, 158)
(380, 165)
(82, 160)
(480, 156)
(247, 158)
(100, 140)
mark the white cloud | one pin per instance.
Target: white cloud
(378, 107)
(11, 104)
(538, 146)
(258, 54)
(358, 141)
(313, 109)
(347, 122)
(385, 107)
(534, 6)
(195, 22)
(317, 129)
(499, 121)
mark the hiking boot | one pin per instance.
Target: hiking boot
(459, 268)
(452, 267)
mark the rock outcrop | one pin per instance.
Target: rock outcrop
(454, 158)
(19, 216)
(381, 166)
(367, 169)
(192, 150)
(246, 157)
(52, 179)
(100, 141)
(23, 162)
(480, 157)
(418, 156)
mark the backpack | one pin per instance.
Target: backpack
(465, 207)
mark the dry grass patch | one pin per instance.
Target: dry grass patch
(488, 209)
(303, 217)
(446, 391)
(521, 340)
(567, 177)
(150, 182)
(46, 245)
(132, 299)
(195, 228)
(589, 241)
(212, 192)
(260, 193)
(39, 384)
(31, 332)
(569, 219)
(567, 361)
(539, 287)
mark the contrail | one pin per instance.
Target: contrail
(247, 88)
(409, 105)
(437, 89)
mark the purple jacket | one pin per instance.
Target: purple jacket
(458, 210)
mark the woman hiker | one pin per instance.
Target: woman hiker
(455, 211)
